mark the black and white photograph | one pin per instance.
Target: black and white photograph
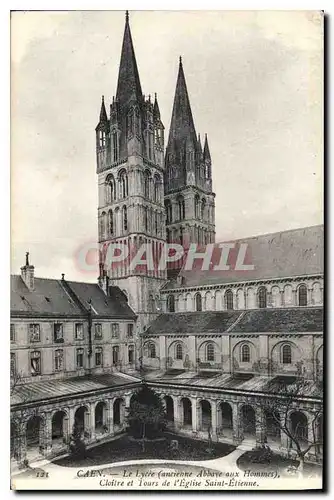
(167, 250)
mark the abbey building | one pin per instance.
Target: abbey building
(213, 344)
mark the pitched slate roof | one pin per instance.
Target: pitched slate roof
(251, 321)
(49, 389)
(281, 320)
(297, 252)
(193, 322)
(52, 297)
(227, 382)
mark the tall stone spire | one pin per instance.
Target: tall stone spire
(128, 86)
(206, 150)
(103, 113)
(182, 128)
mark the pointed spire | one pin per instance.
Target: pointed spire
(128, 86)
(182, 124)
(206, 151)
(156, 110)
(199, 144)
(103, 113)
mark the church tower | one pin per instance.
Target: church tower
(130, 168)
(189, 200)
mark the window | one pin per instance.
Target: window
(197, 207)
(147, 185)
(156, 222)
(151, 351)
(203, 205)
(178, 351)
(98, 331)
(181, 208)
(302, 295)
(115, 145)
(171, 303)
(123, 179)
(98, 356)
(229, 300)
(35, 363)
(156, 188)
(110, 189)
(80, 353)
(130, 330)
(125, 219)
(34, 333)
(245, 353)
(131, 354)
(168, 208)
(12, 332)
(181, 235)
(145, 218)
(58, 332)
(115, 354)
(59, 360)
(210, 352)
(12, 363)
(262, 297)
(102, 139)
(111, 222)
(286, 354)
(198, 302)
(79, 331)
(114, 330)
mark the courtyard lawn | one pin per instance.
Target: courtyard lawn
(125, 448)
(258, 460)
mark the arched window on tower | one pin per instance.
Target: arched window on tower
(157, 182)
(147, 184)
(125, 218)
(145, 218)
(178, 351)
(123, 181)
(171, 303)
(115, 146)
(198, 302)
(229, 300)
(168, 207)
(181, 207)
(262, 297)
(197, 206)
(156, 223)
(245, 353)
(210, 352)
(302, 295)
(103, 225)
(111, 222)
(110, 191)
(203, 205)
(286, 354)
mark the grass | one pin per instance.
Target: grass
(124, 448)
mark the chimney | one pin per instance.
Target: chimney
(27, 273)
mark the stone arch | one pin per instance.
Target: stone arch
(302, 298)
(207, 301)
(100, 417)
(169, 404)
(81, 417)
(60, 430)
(272, 426)
(151, 349)
(174, 347)
(119, 411)
(262, 297)
(299, 427)
(188, 302)
(229, 300)
(248, 421)
(171, 303)
(218, 300)
(198, 302)
(225, 419)
(250, 298)
(110, 189)
(277, 353)
(240, 353)
(180, 302)
(205, 415)
(203, 348)
(34, 432)
(186, 412)
(288, 295)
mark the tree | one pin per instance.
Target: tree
(147, 416)
(284, 398)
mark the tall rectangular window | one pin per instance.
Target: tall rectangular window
(59, 360)
(80, 353)
(130, 330)
(131, 354)
(34, 332)
(115, 354)
(115, 146)
(115, 330)
(12, 332)
(98, 331)
(98, 356)
(58, 332)
(35, 363)
(79, 335)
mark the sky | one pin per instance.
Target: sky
(255, 83)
